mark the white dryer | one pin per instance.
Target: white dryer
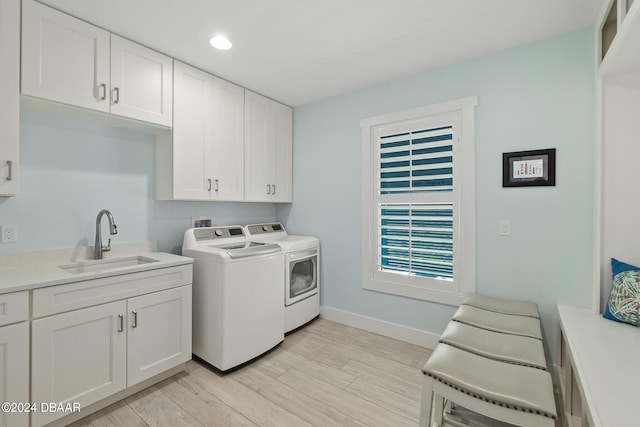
(301, 271)
(237, 295)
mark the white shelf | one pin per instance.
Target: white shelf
(621, 60)
(604, 360)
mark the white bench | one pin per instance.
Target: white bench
(490, 360)
(599, 369)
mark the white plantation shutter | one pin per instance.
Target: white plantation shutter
(416, 239)
(419, 201)
(416, 161)
(415, 201)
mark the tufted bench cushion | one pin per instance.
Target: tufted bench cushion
(498, 322)
(504, 306)
(520, 388)
(516, 349)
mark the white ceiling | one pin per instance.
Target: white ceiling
(301, 51)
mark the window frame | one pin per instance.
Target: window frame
(463, 196)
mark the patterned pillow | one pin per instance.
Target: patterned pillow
(618, 267)
(624, 300)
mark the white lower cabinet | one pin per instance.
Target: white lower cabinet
(158, 333)
(14, 366)
(87, 355)
(78, 357)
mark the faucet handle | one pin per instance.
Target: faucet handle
(108, 247)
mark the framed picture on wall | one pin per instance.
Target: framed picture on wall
(529, 168)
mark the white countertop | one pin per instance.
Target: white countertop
(604, 355)
(40, 269)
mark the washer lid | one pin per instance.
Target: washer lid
(249, 249)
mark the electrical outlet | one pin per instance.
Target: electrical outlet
(9, 233)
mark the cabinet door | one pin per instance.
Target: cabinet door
(258, 150)
(78, 356)
(227, 148)
(268, 149)
(192, 133)
(159, 332)
(64, 59)
(10, 99)
(141, 82)
(14, 365)
(282, 134)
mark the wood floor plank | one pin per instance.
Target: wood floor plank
(386, 347)
(381, 396)
(314, 351)
(200, 404)
(117, 415)
(306, 407)
(253, 406)
(421, 362)
(410, 389)
(156, 409)
(353, 352)
(289, 359)
(360, 409)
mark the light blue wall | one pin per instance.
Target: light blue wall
(71, 168)
(539, 95)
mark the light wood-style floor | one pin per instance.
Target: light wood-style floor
(325, 374)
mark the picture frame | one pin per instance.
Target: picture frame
(533, 168)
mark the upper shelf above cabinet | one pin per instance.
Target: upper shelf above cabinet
(70, 61)
(619, 42)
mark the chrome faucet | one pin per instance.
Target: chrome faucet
(98, 249)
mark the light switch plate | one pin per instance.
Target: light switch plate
(505, 228)
(8, 233)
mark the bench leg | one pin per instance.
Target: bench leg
(438, 407)
(426, 402)
(431, 405)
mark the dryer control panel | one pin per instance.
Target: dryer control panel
(212, 233)
(255, 229)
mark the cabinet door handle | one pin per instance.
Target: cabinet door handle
(274, 190)
(120, 322)
(208, 184)
(217, 185)
(135, 319)
(116, 95)
(9, 170)
(268, 188)
(103, 86)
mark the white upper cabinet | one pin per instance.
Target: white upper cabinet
(70, 61)
(64, 59)
(10, 98)
(227, 149)
(268, 149)
(203, 160)
(141, 82)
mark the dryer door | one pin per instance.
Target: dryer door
(301, 279)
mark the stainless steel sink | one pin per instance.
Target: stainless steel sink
(97, 266)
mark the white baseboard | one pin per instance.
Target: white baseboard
(381, 327)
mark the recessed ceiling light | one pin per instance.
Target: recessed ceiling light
(220, 42)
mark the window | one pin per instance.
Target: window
(419, 202)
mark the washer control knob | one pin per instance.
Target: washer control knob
(218, 233)
(265, 228)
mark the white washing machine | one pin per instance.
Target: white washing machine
(237, 295)
(301, 271)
